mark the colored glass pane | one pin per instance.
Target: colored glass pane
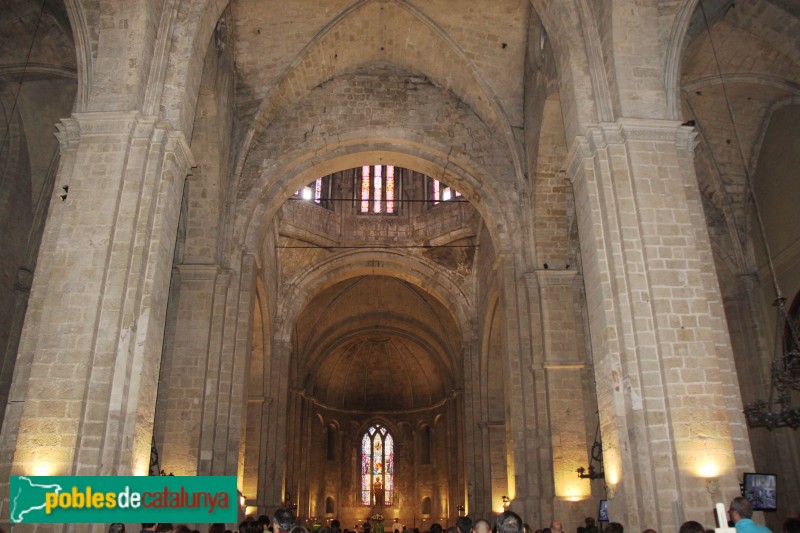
(435, 191)
(377, 181)
(366, 475)
(388, 451)
(390, 189)
(318, 190)
(377, 466)
(365, 189)
(446, 194)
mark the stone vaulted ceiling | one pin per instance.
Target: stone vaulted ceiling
(362, 334)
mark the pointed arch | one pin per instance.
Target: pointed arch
(377, 466)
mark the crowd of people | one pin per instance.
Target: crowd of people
(284, 521)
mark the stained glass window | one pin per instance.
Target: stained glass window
(377, 467)
(379, 190)
(365, 189)
(390, 186)
(318, 191)
(439, 192)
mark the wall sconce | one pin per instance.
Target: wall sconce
(505, 501)
(63, 196)
(597, 459)
(460, 509)
(287, 503)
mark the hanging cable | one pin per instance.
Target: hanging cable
(785, 375)
(740, 149)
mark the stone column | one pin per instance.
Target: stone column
(84, 389)
(203, 379)
(275, 444)
(671, 419)
(570, 403)
(526, 418)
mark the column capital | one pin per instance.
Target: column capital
(555, 277)
(196, 271)
(131, 123)
(599, 136)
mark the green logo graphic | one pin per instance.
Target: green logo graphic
(106, 499)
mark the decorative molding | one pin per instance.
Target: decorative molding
(69, 133)
(564, 366)
(369, 412)
(35, 70)
(107, 122)
(199, 272)
(599, 136)
(564, 278)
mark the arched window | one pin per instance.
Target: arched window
(377, 466)
(329, 509)
(427, 507)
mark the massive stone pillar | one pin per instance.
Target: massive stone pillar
(527, 425)
(203, 385)
(570, 393)
(83, 395)
(673, 432)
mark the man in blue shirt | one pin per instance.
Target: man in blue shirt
(741, 512)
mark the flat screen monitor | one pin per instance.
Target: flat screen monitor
(762, 491)
(603, 513)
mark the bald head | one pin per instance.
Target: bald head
(481, 526)
(556, 526)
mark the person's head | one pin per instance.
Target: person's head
(556, 526)
(335, 526)
(251, 526)
(614, 527)
(546, 530)
(509, 522)
(649, 531)
(740, 508)
(436, 527)
(464, 524)
(791, 525)
(149, 526)
(526, 527)
(692, 527)
(181, 529)
(263, 520)
(283, 520)
(116, 528)
(481, 526)
(164, 528)
(216, 528)
(589, 521)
